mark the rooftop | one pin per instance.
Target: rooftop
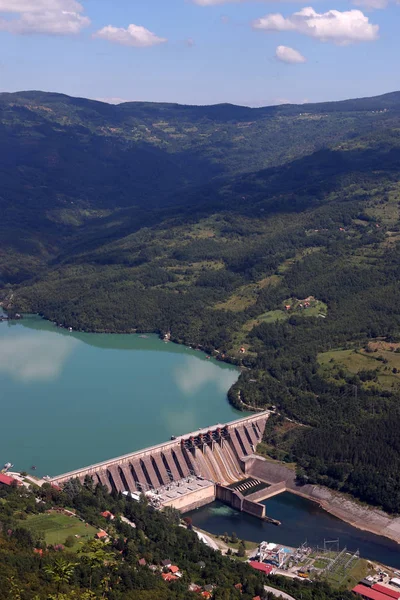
(386, 590)
(369, 593)
(7, 480)
(267, 569)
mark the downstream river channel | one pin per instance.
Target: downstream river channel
(73, 399)
(302, 520)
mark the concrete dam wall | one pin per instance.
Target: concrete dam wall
(215, 453)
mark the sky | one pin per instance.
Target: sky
(249, 52)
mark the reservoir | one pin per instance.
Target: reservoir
(73, 399)
(302, 520)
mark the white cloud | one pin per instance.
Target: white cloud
(40, 358)
(194, 375)
(333, 26)
(289, 55)
(28, 6)
(134, 35)
(56, 17)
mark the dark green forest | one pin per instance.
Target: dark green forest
(272, 230)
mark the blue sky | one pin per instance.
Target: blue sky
(201, 51)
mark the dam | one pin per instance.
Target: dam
(186, 472)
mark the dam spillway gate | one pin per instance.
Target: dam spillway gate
(214, 454)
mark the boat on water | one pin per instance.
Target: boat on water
(8, 465)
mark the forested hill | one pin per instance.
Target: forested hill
(269, 237)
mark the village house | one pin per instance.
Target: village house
(107, 515)
(166, 562)
(169, 577)
(9, 481)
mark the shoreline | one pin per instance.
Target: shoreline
(340, 505)
(345, 508)
(332, 510)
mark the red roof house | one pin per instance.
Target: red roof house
(7, 480)
(174, 569)
(101, 535)
(168, 576)
(369, 593)
(267, 569)
(107, 515)
(385, 590)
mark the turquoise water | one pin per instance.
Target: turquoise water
(71, 399)
(302, 520)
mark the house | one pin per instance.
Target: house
(7, 480)
(201, 564)
(174, 569)
(257, 598)
(386, 590)
(166, 562)
(287, 307)
(142, 562)
(206, 595)
(107, 515)
(38, 551)
(369, 593)
(264, 568)
(193, 587)
(169, 577)
(242, 350)
(209, 587)
(153, 568)
(101, 535)
(239, 586)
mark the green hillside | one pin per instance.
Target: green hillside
(208, 222)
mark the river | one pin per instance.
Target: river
(71, 399)
(302, 520)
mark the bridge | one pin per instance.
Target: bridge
(214, 453)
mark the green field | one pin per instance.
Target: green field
(385, 362)
(55, 528)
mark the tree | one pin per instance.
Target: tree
(60, 571)
(70, 541)
(242, 549)
(96, 555)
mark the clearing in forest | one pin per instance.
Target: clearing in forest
(56, 527)
(378, 364)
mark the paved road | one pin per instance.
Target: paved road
(278, 593)
(206, 539)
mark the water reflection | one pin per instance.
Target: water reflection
(194, 375)
(40, 358)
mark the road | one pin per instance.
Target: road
(206, 539)
(278, 593)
